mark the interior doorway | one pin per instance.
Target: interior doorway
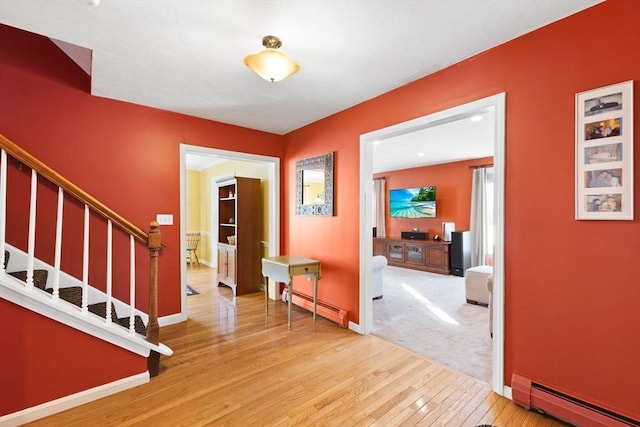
(273, 166)
(497, 102)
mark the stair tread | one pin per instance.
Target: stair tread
(73, 294)
(100, 309)
(138, 324)
(39, 277)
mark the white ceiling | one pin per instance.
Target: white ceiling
(186, 56)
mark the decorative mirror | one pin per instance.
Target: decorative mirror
(314, 190)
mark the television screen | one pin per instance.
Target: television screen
(419, 202)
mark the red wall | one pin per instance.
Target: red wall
(572, 294)
(453, 195)
(572, 287)
(43, 360)
(125, 155)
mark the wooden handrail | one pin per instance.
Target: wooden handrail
(42, 169)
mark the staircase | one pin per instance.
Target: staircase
(109, 309)
(73, 295)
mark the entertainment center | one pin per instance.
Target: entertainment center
(425, 255)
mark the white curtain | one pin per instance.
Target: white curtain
(379, 207)
(479, 217)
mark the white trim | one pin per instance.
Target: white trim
(497, 380)
(73, 400)
(507, 392)
(273, 164)
(172, 319)
(366, 188)
(355, 327)
(215, 212)
(69, 314)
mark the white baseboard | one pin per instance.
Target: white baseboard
(172, 319)
(73, 400)
(355, 327)
(507, 392)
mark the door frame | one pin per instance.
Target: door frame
(498, 103)
(273, 244)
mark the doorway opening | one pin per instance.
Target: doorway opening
(273, 202)
(497, 103)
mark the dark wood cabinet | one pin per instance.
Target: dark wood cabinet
(379, 247)
(239, 234)
(422, 255)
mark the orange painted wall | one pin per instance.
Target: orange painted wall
(125, 155)
(572, 287)
(453, 195)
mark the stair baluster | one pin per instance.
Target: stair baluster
(31, 245)
(132, 285)
(3, 203)
(58, 250)
(109, 270)
(85, 261)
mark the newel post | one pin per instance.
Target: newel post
(153, 330)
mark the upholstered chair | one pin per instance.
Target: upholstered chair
(490, 289)
(378, 264)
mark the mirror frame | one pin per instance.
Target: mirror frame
(324, 162)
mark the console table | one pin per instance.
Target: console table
(282, 269)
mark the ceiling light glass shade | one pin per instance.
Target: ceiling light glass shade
(271, 64)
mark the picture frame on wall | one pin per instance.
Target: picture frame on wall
(604, 153)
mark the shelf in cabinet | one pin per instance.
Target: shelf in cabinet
(224, 224)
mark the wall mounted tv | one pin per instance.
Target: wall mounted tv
(419, 202)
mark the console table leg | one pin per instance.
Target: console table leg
(266, 295)
(315, 296)
(290, 291)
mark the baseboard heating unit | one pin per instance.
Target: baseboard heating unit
(323, 309)
(530, 395)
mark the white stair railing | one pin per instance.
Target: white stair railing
(56, 284)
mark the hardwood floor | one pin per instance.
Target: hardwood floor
(232, 366)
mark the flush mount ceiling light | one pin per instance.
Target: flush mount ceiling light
(271, 64)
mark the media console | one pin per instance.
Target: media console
(422, 255)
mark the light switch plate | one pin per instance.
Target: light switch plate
(164, 219)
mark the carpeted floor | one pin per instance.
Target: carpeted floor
(427, 313)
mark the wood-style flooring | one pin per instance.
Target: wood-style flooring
(234, 367)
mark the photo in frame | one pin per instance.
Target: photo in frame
(604, 153)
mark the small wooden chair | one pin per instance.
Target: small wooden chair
(193, 239)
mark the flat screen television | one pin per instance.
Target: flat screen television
(418, 202)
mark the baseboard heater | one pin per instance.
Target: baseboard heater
(530, 395)
(326, 310)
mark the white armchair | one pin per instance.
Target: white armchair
(490, 289)
(378, 264)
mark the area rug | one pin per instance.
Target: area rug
(191, 291)
(428, 314)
